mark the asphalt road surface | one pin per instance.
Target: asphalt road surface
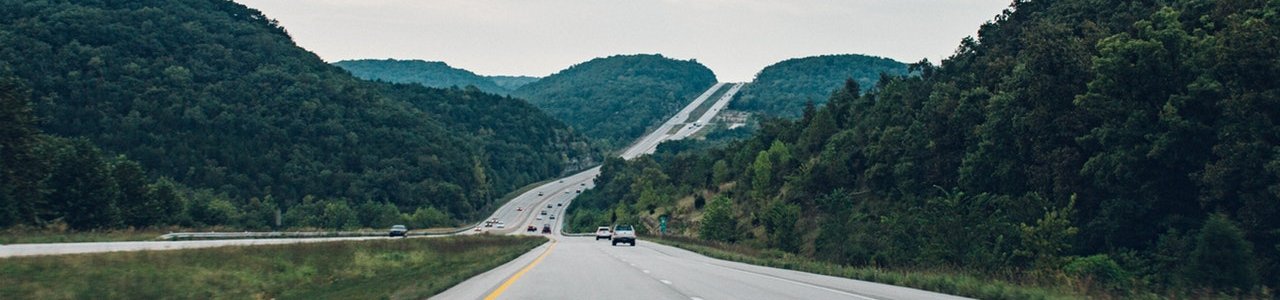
(583, 268)
(576, 267)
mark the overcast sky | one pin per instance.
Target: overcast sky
(735, 38)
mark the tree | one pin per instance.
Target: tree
(1223, 259)
(780, 224)
(131, 189)
(83, 196)
(717, 220)
(18, 166)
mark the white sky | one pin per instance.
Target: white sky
(735, 38)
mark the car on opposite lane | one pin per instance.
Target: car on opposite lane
(399, 230)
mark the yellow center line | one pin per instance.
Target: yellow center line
(503, 288)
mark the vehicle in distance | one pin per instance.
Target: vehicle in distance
(560, 204)
(531, 228)
(603, 233)
(553, 217)
(546, 228)
(579, 191)
(548, 205)
(544, 212)
(539, 194)
(501, 225)
(539, 217)
(399, 230)
(624, 234)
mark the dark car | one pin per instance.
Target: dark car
(399, 230)
(531, 228)
(546, 228)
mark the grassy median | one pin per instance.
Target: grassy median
(381, 269)
(947, 283)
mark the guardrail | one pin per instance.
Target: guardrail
(179, 236)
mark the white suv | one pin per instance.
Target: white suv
(603, 233)
(624, 234)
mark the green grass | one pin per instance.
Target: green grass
(947, 283)
(381, 269)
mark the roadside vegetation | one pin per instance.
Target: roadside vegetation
(413, 268)
(947, 282)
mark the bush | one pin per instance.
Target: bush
(1100, 269)
(1222, 259)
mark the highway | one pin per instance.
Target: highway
(578, 267)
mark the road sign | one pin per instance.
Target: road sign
(662, 224)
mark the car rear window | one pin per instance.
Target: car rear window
(623, 228)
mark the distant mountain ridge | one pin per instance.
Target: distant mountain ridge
(431, 74)
(782, 89)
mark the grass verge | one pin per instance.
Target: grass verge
(379, 269)
(28, 235)
(953, 284)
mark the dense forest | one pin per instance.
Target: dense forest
(430, 74)
(615, 99)
(212, 103)
(783, 89)
(1122, 147)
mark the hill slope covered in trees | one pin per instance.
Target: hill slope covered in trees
(427, 73)
(614, 99)
(217, 97)
(784, 88)
(1119, 147)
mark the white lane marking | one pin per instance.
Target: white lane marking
(645, 271)
(793, 282)
(694, 298)
(633, 265)
(668, 282)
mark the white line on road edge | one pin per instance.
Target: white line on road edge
(793, 282)
(668, 282)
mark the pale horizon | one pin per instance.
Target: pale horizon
(734, 38)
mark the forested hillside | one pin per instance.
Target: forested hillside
(614, 99)
(215, 97)
(427, 73)
(1127, 148)
(784, 88)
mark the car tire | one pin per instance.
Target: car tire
(615, 243)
